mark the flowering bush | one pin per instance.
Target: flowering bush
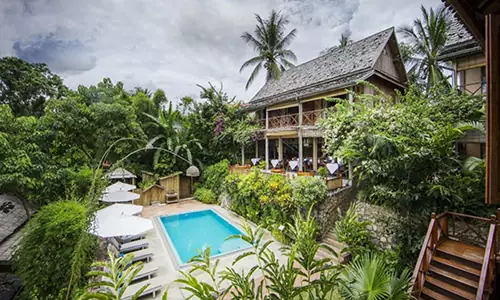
(307, 191)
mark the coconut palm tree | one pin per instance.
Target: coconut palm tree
(345, 39)
(270, 42)
(427, 37)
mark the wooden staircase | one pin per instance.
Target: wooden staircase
(449, 267)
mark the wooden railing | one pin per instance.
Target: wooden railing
(471, 232)
(424, 258)
(488, 268)
(311, 117)
(289, 120)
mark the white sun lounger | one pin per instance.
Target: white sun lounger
(148, 271)
(144, 254)
(130, 246)
(130, 238)
(155, 285)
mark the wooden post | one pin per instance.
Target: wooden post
(315, 154)
(267, 153)
(301, 152)
(492, 108)
(242, 154)
(280, 149)
(256, 148)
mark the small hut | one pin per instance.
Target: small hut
(120, 174)
(153, 194)
(147, 176)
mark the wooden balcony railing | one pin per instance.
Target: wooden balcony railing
(284, 121)
(311, 117)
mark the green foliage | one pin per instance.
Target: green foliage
(213, 176)
(44, 255)
(116, 275)
(270, 42)
(403, 154)
(350, 230)
(370, 277)
(26, 86)
(264, 199)
(205, 195)
(323, 172)
(308, 190)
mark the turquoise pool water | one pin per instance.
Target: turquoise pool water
(198, 230)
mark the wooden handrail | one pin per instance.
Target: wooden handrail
(487, 259)
(486, 220)
(420, 260)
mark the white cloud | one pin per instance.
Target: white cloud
(175, 45)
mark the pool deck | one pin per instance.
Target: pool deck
(164, 259)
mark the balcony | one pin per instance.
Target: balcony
(309, 118)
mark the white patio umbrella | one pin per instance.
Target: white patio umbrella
(120, 196)
(119, 186)
(119, 209)
(120, 226)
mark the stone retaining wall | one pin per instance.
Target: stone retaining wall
(384, 224)
(327, 212)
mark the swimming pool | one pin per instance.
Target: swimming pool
(187, 232)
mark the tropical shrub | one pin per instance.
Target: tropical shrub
(350, 230)
(43, 258)
(323, 172)
(261, 198)
(307, 191)
(213, 176)
(370, 277)
(205, 195)
(404, 154)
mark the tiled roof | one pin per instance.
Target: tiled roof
(338, 68)
(459, 42)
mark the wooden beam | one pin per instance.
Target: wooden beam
(493, 109)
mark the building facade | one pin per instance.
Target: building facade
(468, 62)
(290, 107)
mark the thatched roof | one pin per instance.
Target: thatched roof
(459, 42)
(338, 68)
(121, 173)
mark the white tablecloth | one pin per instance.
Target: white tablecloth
(293, 164)
(275, 162)
(332, 167)
(255, 161)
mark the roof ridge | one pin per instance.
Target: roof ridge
(349, 45)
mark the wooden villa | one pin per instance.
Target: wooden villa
(289, 108)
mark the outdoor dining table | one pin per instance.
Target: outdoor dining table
(332, 167)
(255, 161)
(275, 162)
(293, 164)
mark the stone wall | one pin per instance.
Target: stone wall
(327, 212)
(384, 224)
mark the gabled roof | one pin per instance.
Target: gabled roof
(121, 173)
(459, 42)
(340, 67)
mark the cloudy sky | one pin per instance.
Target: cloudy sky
(176, 44)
